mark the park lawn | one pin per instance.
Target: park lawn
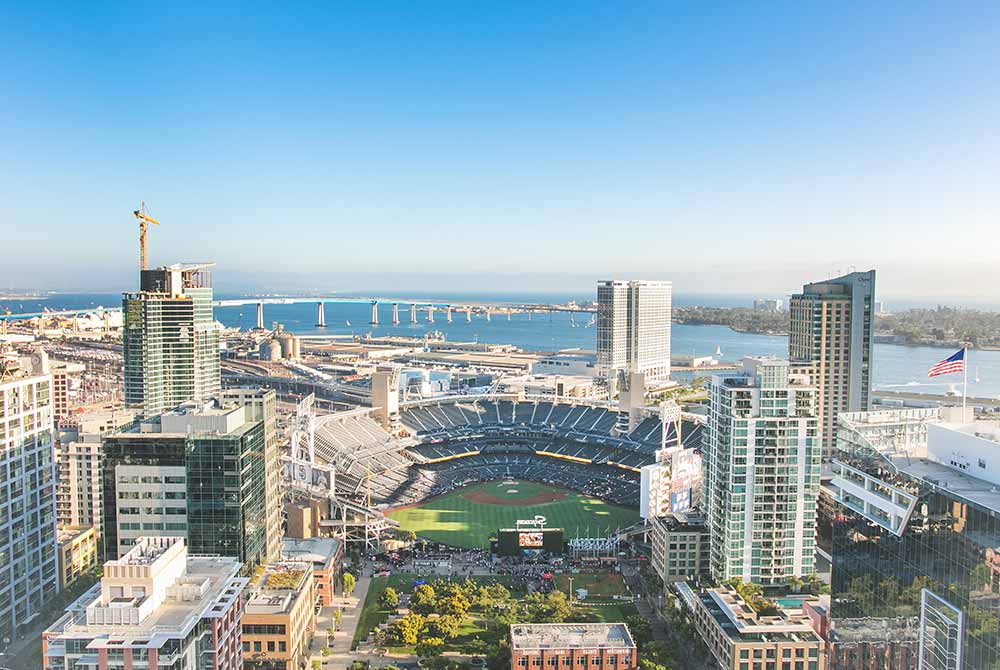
(598, 585)
(612, 613)
(457, 521)
(372, 613)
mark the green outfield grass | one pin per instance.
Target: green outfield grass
(460, 522)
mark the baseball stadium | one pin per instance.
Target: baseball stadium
(467, 466)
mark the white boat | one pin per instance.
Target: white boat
(718, 351)
(348, 322)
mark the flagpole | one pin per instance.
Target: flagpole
(965, 384)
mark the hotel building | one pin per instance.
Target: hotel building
(830, 337)
(633, 328)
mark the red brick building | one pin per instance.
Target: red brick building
(572, 646)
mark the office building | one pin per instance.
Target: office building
(598, 646)
(680, 547)
(326, 555)
(280, 617)
(170, 339)
(79, 463)
(155, 608)
(262, 405)
(830, 337)
(28, 563)
(197, 472)
(741, 638)
(77, 553)
(762, 471)
(916, 537)
(633, 328)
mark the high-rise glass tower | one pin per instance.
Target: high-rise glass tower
(200, 471)
(28, 576)
(633, 328)
(830, 337)
(170, 339)
(762, 469)
(915, 540)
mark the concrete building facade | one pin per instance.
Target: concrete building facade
(77, 551)
(326, 555)
(79, 488)
(155, 608)
(831, 333)
(680, 547)
(280, 617)
(28, 571)
(740, 638)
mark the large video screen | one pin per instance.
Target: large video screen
(532, 540)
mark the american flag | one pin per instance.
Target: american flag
(954, 363)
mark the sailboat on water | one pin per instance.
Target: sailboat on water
(718, 351)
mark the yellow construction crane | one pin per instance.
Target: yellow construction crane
(144, 221)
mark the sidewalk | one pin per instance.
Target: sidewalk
(340, 651)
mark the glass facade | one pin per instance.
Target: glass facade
(170, 342)
(949, 546)
(225, 488)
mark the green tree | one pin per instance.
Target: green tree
(456, 605)
(551, 608)
(389, 599)
(349, 583)
(338, 616)
(443, 626)
(429, 647)
(407, 630)
(500, 660)
(423, 599)
(404, 535)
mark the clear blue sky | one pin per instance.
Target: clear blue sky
(729, 148)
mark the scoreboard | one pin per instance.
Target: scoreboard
(521, 541)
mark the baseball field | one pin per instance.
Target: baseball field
(468, 517)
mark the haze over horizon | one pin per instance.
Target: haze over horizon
(363, 147)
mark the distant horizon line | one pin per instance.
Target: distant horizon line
(900, 301)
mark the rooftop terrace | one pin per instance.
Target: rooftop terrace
(570, 636)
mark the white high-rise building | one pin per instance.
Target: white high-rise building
(28, 576)
(762, 455)
(633, 328)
